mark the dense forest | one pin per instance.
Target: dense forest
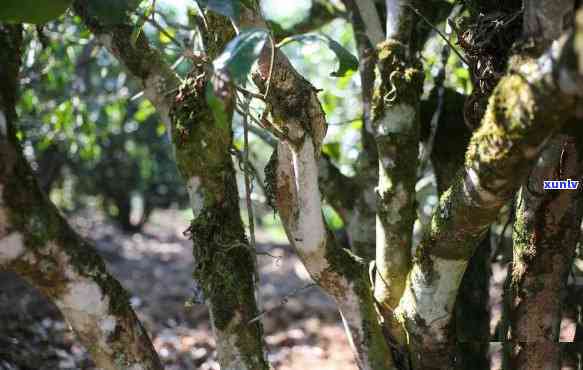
(418, 162)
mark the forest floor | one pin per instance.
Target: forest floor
(155, 266)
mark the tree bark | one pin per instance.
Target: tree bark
(293, 173)
(396, 129)
(472, 316)
(38, 244)
(527, 107)
(545, 236)
(224, 260)
(361, 223)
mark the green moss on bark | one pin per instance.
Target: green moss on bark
(224, 260)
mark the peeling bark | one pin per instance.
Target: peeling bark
(38, 244)
(296, 110)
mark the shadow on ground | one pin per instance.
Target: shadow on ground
(155, 267)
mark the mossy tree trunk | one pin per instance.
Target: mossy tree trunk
(37, 243)
(224, 260)
(398, 311)
(546, 233)
(527, 107)
(472, 316)
(547, 224)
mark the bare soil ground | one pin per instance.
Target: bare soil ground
(155, 266)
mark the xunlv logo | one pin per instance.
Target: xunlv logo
(561, 184)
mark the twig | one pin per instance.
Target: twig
(283, 302)
(251, 168)
(248, 193)
(462, 58)
(271, 63)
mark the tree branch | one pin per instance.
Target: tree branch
(526, 108)
(155, 77)
(362, 222)
(294, 106)
(371, 20)
(321, 13)
(339, 190)
(396, 129)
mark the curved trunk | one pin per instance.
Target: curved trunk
(38, 244)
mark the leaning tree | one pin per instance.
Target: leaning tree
(406, 302)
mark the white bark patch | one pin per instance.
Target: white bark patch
(397, 119)
(399, 201)
(388, 162)
(311, 233)
(195, 194)
(107, 325)
(84, 304)
(11, 247)
(85, 298)
(3, 125)
(433, 300)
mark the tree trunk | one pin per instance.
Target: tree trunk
(545, 236)
(224, 260)
(38, 244)
(522, 113)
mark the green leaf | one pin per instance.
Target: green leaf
(217, 106)
(142, 21)
(228, 8)
(346, 61)
(32, 11)
(332, 150)
(241, 52)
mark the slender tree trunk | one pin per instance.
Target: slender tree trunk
(396, 131)
(472, 316)
(361, 224)
(224, 260)
(38, 244)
